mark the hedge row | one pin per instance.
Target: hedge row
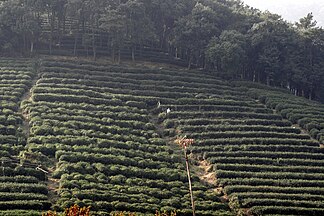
(258, 147)
(110, 159)
(43, 105)
(136, 78)
(273, 189)
(25, 204)
(19, 179)
(21, 196)
(262, 210)
(264, 154)
(161, 157)
(120, 181)
(260, 181)
(218, 114)
(253, 140)
(20, 213)
(208, 121)
(270, 175)
(266, 161)
(23, 188)
(248, 203)
(151, 146)
(247, 134)
(166, 174)
(114, 82)
(297, 110)
(232, 128)
(100, 117)
(268, 168)
(300, 197)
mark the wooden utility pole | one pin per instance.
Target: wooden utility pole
(184, 143)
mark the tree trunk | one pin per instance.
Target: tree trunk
(119, 56)
(100, 39)
(310, 97)
(190, 61)
(170, 51)
(268, 80)
(205, 63)
(113, 54)
(83, 25)
(64, 23)
(94, 48)
(52, 32)
(162, 38)
(141, 50)
(133, 53)
(31, 47)
(24, 45)
(75, 44)
(59, 32)
(50, 23)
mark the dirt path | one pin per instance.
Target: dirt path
(27, 97)
(52, 184)
(153, 118)
(206, 173)
(160, 129)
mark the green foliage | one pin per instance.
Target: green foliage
(227, 53)
(97, 125)
(307, 114)
(224, 36)
(95, 121)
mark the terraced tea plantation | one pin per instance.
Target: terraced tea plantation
(307, 114)
(22, 187)
(106, 136)
(263, 163)
(94, 121)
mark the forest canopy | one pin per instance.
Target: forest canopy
(226, 37)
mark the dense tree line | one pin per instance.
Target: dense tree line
(227, 37)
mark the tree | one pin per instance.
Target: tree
(163, 14)
(8, 37)
(21, 21)
(139, 26)
(114, 22)
(193, 32)
(311, 44)
(268, 48)
(93, 12)
(306, 22)
(75, 9)
(55, 11)
(228, 53)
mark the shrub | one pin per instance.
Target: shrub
(74, 210)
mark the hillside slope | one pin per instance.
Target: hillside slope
(95, 123)
(105, 135)
(22, 185)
